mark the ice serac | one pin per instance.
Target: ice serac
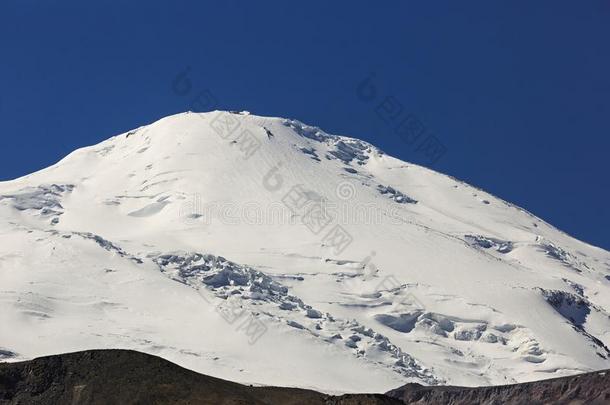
(267, 251)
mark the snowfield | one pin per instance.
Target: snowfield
(266, 251)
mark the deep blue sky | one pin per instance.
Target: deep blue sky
(517, 91)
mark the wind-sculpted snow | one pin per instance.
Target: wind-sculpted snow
(344, 149)
(350, 270)
(395, 195)
(308, 131)
(402, 323)
(348, 150)
(231, 281)
(312, 153)
(449, 330)
(149, 210)
(44, 200)
(222, 276)
(490, 243)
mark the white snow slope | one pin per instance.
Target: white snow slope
(266, 251)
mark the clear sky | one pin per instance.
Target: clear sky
(516, 93)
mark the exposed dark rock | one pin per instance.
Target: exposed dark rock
(590, 388)
(575, 309)
(570, 306)
(268, 132)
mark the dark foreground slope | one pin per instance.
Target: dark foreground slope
(128, 377)
(590, 389)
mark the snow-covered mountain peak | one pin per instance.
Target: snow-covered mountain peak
(265, 250)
